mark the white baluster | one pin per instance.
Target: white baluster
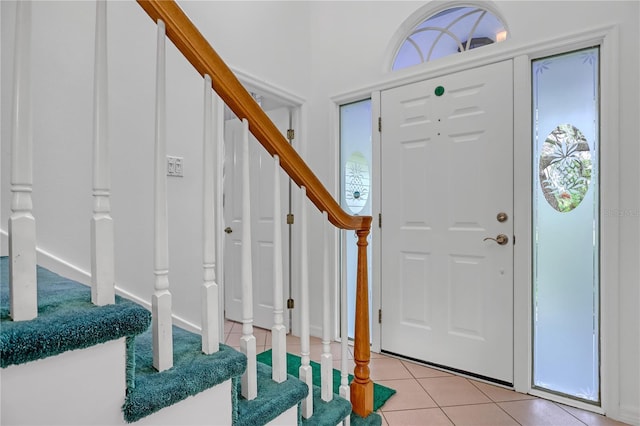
(278, 331)
(102, 244)
(247, 341)
(23, 303)
(305, 372)
(344, 333)
(161, 300)
(209, 294)
(218, 114)
(326, 360)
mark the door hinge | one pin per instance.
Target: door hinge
(290, 219)
(379, 220)
(291, 134)
(379, 316)
(379, 124)
(514, 239)
(289, 303)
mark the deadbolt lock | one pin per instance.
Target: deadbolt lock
(502, 217)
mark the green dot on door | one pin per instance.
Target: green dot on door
(439, 91)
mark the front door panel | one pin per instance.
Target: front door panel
(447, 293)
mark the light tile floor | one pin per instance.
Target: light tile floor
(426, 396)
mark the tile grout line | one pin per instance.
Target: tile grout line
(560, 406)
(495, 402)
(432, 398)
(414, 377)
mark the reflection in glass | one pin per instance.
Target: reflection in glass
(454, 30)
(566, 301)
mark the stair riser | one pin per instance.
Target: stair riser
(87, 387)
(81, 387)
(210, 407)
(288, 418)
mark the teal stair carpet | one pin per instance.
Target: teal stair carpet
(272, 400)
(192, 373)
(66, 319)
(380, 393)
(327, 413)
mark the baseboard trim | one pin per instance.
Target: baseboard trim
(67, 269)
(628, 414)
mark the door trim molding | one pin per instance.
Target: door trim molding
(376, 233)
(269, 89)
(609, 226)
(427, 11)
(522, 220)
(506, 50)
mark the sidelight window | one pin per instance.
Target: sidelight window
(355, 187)
(566, 226)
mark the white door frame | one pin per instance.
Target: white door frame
(522, 54)
(295, 103)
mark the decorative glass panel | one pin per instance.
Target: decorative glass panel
(355, 183)
(565, 167)
(454, 30)
(566, 224)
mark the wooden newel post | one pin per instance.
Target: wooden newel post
(362, 386)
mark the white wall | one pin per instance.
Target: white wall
(314, 49)
(267, 39)
(62, 97)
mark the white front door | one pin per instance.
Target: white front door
(446, 164)
(261, 171)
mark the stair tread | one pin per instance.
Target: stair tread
(373, 419)
(327, 413)
(273, 398)
(192, 372)
(67, 320)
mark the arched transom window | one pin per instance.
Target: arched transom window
(454, 30)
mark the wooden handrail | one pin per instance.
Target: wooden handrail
(192, 44)
(195, 48)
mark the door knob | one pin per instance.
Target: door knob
(228, 230)
(500, 239)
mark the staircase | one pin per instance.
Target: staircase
(50, 362)
(83, 355)
(47, 362)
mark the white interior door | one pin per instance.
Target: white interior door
(447, 291)
(262, 199)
